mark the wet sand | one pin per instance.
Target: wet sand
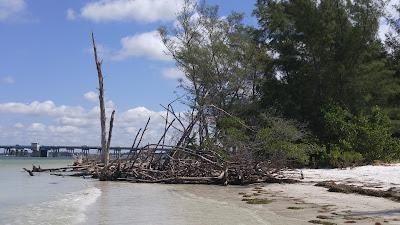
(125, 203)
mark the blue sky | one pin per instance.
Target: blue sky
(47, 73)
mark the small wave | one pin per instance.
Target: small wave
(69, 209)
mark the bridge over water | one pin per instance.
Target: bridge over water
(37, 150)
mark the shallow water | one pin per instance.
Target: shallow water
(41, 199)
(124, 203)
(45, 199)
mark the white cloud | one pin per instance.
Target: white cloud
(65, 129)
(173, 73)
(19, 125)
(131, 10)
(40, 108)
(37, 127)
(71, 14)
(77, 122)
(11, 8)
(145, 45)
(91, 96)
(72, 125)
(148, 45)
(7, 80)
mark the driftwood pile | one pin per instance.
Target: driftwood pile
(170, 165)
(182, 163)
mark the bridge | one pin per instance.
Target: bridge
(37, 150)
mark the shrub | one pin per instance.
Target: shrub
(337, 158)
(368, 133)
(231, 132)
(284, 142)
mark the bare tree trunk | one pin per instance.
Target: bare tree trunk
(110, 135)
(104, 150)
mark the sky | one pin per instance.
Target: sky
(48, 79)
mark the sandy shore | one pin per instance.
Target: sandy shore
(286, 204)
(307, 204)
(304, 203)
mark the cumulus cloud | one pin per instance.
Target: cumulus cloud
(131, 10)
(71, 14)
(77, 122)
(148, 45)
(19, 125)
(173, 73)
(37, 127)
(144, 45)
(65, 129)
(75, 125)
(11, 8)
(7, 80)
(91, 96)
(47, 108)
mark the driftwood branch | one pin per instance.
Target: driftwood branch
(110, 131)
(140, 140)
(134, 142)
(144, 131)
(29, 171)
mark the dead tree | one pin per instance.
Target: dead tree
(110, 131)
(104, 151)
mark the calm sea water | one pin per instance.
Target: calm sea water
(45, 199)
(42, 199)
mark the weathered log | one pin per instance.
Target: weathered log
(81, 174)
(177, 180)
(351, 189)
(29, 171)
(273, 180)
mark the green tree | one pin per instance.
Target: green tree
(324, 52)
(218, 56)
(393, 49)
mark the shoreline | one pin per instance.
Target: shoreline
(298, 203)
(310, 204)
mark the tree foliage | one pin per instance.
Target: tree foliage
(325, 52)
(368, 134)
(312, 84)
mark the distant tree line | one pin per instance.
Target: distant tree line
(311, 85)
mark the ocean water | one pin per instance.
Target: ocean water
(52, 200)
(42, 199)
